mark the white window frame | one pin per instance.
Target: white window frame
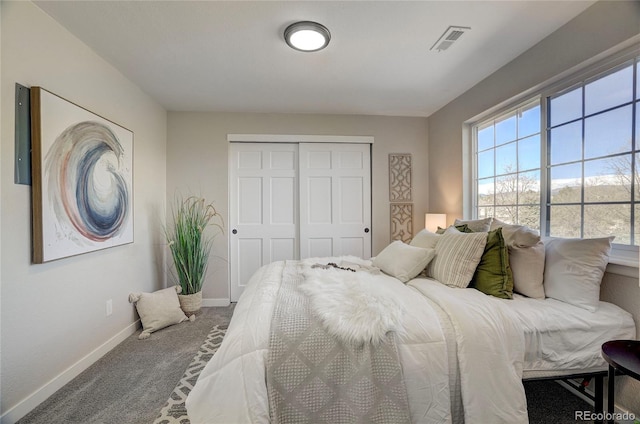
(624, 255)
(497, 117)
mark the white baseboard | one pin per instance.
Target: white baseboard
(215, 302)
(40, 395)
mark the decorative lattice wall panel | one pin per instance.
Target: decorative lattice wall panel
(402, 221)
(400, 177)
(401, 208)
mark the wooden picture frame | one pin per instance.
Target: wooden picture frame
(82, 179)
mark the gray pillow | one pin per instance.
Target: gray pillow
(476, 225)
(527, 266)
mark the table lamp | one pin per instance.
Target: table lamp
(434, 220)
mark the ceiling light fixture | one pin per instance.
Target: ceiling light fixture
(307, 36)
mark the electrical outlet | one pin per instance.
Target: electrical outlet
(109, 307)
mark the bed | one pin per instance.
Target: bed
(463, 355)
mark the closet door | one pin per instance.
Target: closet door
(263, 208)
(335, 200)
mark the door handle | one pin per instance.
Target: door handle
(366, 230)
(234, 231)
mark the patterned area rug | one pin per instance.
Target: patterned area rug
(174, 411)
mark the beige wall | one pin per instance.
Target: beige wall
(624, 292)
(197, 161)
(53, 315)
(1, 167)
(601, 27)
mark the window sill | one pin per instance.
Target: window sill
(624, 263)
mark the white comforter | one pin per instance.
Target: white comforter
(490, 347)
(561, 337)
(232, 387)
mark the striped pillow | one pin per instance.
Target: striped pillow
(457, 257)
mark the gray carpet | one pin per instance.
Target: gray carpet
(550, 403)
(131, 384)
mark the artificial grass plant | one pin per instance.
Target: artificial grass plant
(188, 241)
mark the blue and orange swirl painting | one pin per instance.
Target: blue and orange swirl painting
(87, 190)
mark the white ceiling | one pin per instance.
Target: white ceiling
(231, 56)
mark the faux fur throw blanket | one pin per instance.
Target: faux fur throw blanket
(356, 307)
(313, 377)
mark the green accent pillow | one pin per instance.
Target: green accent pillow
(493, 275)
(463, 228)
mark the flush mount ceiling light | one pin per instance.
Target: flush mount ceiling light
(307, 36)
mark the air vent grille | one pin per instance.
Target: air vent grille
(454, 35)
(446, 40)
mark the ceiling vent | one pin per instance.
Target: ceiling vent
(450, 36)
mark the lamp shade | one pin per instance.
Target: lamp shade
(434, 220)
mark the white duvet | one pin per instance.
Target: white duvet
(490, 349)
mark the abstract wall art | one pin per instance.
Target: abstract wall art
(82, 179)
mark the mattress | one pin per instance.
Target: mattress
(562, 339)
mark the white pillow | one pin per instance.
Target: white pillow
(574, 268)
(403, 261)
(527, 267)
(517, 235)
(158, 310)
(457, 257)
(425, 239)
(476, 225)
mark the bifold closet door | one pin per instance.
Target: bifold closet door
(335, 199)
(263, 208)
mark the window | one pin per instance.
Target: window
(592, 157)
(508, 166)
(580, 176)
